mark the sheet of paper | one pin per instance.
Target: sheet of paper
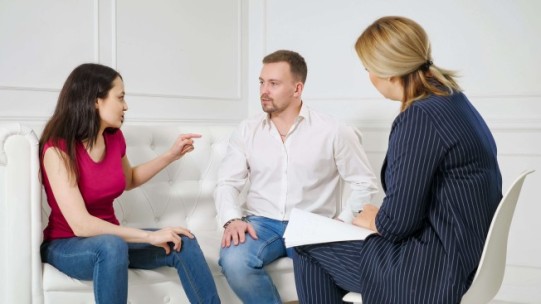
(308, 228)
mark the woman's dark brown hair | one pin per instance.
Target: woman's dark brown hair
(76, 118)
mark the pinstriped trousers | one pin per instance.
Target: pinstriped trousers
(324, 273)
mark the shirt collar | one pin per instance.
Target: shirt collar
(304, 114)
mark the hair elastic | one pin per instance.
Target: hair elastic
(426, 65)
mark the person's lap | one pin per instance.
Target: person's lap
(341, 260)
(77, 256)
(268, 247)
(106, 258)
(243, 264)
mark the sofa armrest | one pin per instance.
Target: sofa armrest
(20, 216)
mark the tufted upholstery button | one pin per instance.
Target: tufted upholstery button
(166, 299)
(124, 222)
(171, 182)
(157, 219)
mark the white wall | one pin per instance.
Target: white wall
(180, 59)
(199, 61)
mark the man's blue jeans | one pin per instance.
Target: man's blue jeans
(243, 264)
(105, 260)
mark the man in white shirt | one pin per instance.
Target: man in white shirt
(293, 157)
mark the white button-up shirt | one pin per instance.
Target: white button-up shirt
(304, 171)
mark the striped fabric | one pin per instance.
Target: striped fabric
(442, 184)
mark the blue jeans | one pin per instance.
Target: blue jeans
(105, 260)
(243, 264)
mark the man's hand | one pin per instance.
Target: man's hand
(367, 218)
(236, 231)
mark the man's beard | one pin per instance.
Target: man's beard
(266, 106)
(269, 108)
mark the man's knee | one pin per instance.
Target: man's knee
(238, 260)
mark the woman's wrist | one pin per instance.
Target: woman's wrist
(146, 236)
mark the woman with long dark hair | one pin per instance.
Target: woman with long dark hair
(85, 167)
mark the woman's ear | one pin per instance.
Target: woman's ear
(393, 79)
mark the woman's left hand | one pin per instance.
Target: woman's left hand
(183, 145)
(164, 236)
(367, 218)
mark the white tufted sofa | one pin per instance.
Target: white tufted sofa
(179, 195)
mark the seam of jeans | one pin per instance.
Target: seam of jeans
(95, 279)
(190, 279)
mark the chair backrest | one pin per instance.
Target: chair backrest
(489, 275)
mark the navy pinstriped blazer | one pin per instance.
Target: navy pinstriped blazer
(442, 184)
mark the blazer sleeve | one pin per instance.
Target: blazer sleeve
(414, 154)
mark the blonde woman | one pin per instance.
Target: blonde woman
(441, 179)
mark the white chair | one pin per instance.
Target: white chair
(489, 275)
